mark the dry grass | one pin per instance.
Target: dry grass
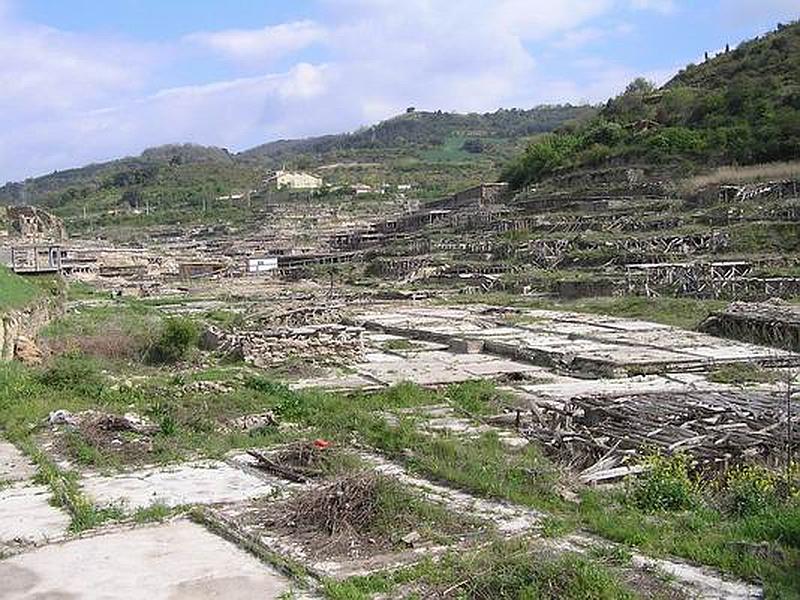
(113, 345)
(745, 174)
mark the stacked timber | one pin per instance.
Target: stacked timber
(767, 323)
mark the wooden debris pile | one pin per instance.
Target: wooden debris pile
(770, 323)
(347, 504)
(299, 462)
(601, 435)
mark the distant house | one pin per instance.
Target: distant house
(362, 188)
(231, 197)
(293, 180)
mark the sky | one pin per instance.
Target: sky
(90, 80)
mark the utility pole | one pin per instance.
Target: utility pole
(789, 454)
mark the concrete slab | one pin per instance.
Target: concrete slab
(176, 561)
(202, 482)
(564, 390)
(421, 369)
(26, 517)
(591, 345)
(14, 466)
(337, 383)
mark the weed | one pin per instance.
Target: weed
(67, 494)
(666, 485)
(155, 513)
(553, 527)
(74, 371)
(399, 344)
(749, 490)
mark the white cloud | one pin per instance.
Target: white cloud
(70, 99)
(743, 11)
(662, 6)
(44, 70)
(268, 43)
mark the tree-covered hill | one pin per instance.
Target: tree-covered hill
(424, 130)
(446, 150)
(739, 107)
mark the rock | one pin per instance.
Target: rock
(27, 352)
(466, 346)
(762, 550)
(253, 423)
(206, 387)
(139, 424)
(62, 417)
(211, 338)
(411, 539)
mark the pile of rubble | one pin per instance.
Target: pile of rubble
(35, 223)
(322, 345)
(304, 315)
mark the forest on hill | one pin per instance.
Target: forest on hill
(739, 107)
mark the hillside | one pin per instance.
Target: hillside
(437, 152)
(415, 131)
(740, 107)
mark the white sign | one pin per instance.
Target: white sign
(262, 265)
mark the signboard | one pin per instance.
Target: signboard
(262, 265)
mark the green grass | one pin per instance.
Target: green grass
(16, 291)
(508, 570)
(190, 426)
(705, 536)
(743, 374)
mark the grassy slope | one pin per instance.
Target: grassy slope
(15, 291)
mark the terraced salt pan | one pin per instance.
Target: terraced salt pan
(202, 482)
(583, 343)
(694, 581)
(512, 519)
(429, 367)
(565, 388)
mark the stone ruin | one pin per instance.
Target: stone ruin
(34, 223)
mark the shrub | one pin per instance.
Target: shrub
(667, 484)
(177, 338)
(73, 371)
(749, 490)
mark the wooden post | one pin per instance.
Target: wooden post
(789, 457)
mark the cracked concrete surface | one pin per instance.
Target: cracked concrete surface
(174, 561)
(26, 516)
(202, 482)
